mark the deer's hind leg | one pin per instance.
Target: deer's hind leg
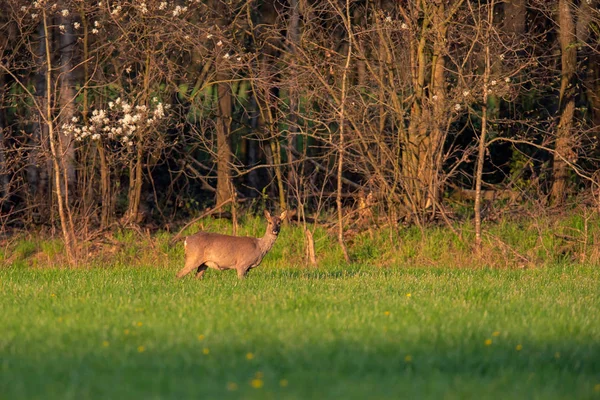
(201, 270)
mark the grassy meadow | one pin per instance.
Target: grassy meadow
(380, 328)
(288, 333)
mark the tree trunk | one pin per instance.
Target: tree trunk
(565, 136)
(292, 139)
(65, 220)
(422, 152)
(4, 173)
(39, 165)
(342, 123)
(67, 42)
(223, 138)
(482, 138)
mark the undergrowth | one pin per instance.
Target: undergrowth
(520, 243)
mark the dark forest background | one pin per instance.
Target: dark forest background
(352, 113)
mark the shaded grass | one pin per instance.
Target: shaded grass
(328, 333)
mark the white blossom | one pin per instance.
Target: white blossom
(226, 56)
(94, 31)
(434, 97)
(34, 16)
(62, 28)
(97, 24)
(143, 8)
(507, 79)
(388, 19)
(220, 43)
(404, 26)
(163, 5)
(117, 124)
(76, 25)
(178, 10)
(23, 8)
(208, 36)
(65, 13)
(466, 93)
(493, 83)
(457, 107)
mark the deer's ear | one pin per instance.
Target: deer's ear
(267, 214)
(283, 215)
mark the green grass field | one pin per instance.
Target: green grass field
(352, 333)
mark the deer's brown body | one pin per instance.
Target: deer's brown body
(212, 250)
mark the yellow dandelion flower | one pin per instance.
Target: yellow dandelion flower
(126, 331)
(284, 383)
(387, 313)
(408, 294)
(205, 350)
(519, 347)
(597, 387)
(200, 338)
(139, 324)
(496, 334)
(257, 383)
(488, 342)
(60, 319)
(52, 295)
(249, 356)
(232, 386)
(141, 349)
(105, 343)
(408, 358)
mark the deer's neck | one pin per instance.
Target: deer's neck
(266, 242)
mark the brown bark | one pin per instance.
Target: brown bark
(67, 42)
(482, 145)
(341, 149)
(4, 177)
(223, 138)
(39, 165)
(422, 155)
(68, 235)
(565, 135)
(292, 140)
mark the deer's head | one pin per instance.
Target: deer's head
(274, 222)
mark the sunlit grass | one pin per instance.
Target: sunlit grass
(298, 333)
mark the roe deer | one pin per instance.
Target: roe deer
(204, 250)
